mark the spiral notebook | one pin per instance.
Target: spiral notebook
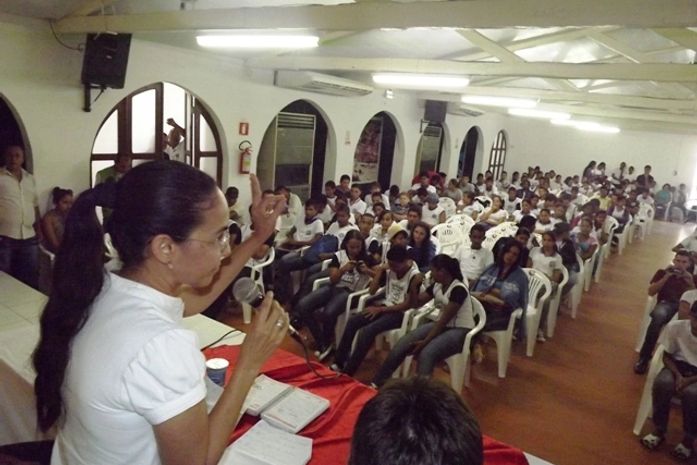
(265, 444)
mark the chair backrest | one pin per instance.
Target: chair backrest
(505, 229)
(539, 287)
(479, 316)
(270, 257)
(564, 278)
(448, 205)
(448, 237)
(462, 222)
(579, 260)
(483, 200)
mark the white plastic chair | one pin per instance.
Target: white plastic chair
(257, 274)
(343, 318)
(643, 220)
(577, 291)
(622, 238)
(614, 224)
(448, 205)
(505, 229)
(483, 200)
(645, 321)
(463, 224)
(504, 341)
(555, 304)
(447, 236)
(537, 281)
(604, 251)
(459, 364)
(646, 403)
(588, 266)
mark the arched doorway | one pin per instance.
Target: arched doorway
(468, 152)
(428, 152)
(293, 150)
(372, 160)
(12, 133)
(497, 157)
(139, 125)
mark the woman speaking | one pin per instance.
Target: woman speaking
(117, 374)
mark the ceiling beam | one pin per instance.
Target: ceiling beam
(684, 37)
(376, 15)
(616, 71)
(90, 6)
(605, 99)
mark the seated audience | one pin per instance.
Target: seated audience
(319, 310)
(344, 185)
(677, 377)
(53, 222)
(445, 335)
(416, 422)
(432, 213)
(401, 207)
(620, 212)
(586, 242)
(341, 225)
(421, 248)
(544, 222)
(512, 202)
(453, 191)
(547, 260)
(474, 259)
(355, 203)
(495, 214)
(469, 206)
(668, 285)
(402, 281)
(503, 287)
(330, 192)
(413, 217)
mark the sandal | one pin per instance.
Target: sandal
(652, 440)
(681, 452)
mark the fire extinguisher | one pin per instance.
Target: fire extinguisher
(245, 157)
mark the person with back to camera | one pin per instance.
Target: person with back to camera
(116, 372)
(416, 421)
(53, 222)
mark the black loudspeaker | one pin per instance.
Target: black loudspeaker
(435, 111)
(106, 58)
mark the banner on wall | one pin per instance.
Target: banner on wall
(366, 159)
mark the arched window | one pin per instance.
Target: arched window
(138, 126)
(497, 158)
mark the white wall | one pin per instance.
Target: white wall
(41, 80)
(673, 157)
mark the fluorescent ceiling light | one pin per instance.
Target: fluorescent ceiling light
(509, 102)
(420, 81)
(257, 41)
(532, 113)
(587, 126)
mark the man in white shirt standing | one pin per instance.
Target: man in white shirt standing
(475, 258)
(19, 216)
(176, 146)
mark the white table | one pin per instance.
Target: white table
(20, 309)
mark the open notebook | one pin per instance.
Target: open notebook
(265, 444)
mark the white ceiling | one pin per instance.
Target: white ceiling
(627, 62)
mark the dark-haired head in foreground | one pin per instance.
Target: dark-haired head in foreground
(416, 421)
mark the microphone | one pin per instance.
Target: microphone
(246, 291)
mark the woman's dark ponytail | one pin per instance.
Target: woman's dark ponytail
(449, 264)
(77, 280)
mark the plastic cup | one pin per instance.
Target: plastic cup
(216, 369)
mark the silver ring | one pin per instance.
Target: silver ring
(279, 323)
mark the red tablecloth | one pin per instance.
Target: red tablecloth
(331, 432)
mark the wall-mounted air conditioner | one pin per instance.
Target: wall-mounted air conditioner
(321, 83)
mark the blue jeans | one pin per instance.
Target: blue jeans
(662, 392)
(660, 316)
(447, 343)
(291, 261)
(319, 311)
(20, 259)
(349, 361)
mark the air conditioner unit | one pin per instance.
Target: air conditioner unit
(321, 83)
(459, 109)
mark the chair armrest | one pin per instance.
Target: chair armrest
(325, 264)
(367, 297)
(319, 282)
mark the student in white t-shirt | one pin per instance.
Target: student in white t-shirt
(687, 299)
(370, 198)
(495, 214)
(475, 258)
(308, 230)
(469, 206)
(355, 203)
(512, 202)
(432, 213)
(548, 261)
(678, 377)
(545, 222)
(341, 225)
(525, 210)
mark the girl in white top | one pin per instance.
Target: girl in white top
(117, 374)
(495, 214)
(445, 334)
(548, 261)
(545, 222)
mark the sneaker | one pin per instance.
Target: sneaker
(541, 336)
(323, 352)
(641, 366)
(335, 367)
